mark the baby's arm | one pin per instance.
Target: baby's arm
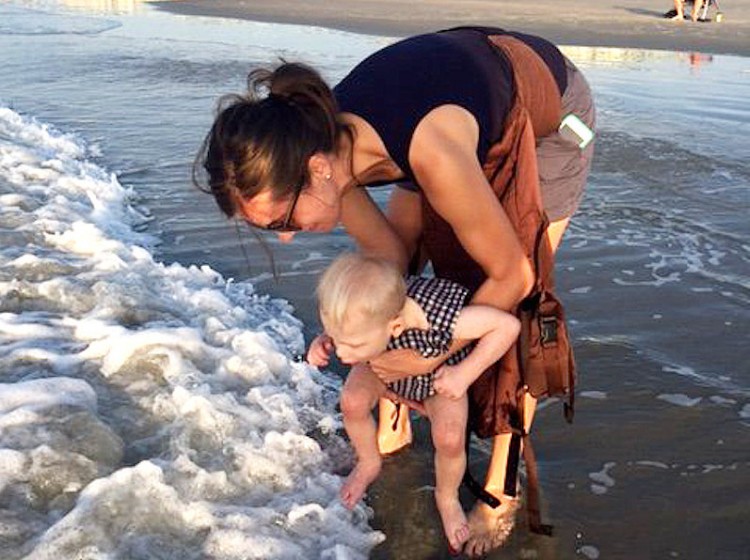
(320, 350)
(494, 330)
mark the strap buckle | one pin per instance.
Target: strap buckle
(548, 329)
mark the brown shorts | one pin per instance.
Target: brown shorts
(563, 166)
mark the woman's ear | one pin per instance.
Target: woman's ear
(319, 167)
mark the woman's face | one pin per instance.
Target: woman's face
(317, 209)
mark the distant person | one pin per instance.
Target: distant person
(366, 308)
(679, 10)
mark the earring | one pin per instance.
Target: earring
(328, 177)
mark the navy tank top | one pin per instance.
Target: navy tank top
(394, 88)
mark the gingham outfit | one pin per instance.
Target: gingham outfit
(442, 301)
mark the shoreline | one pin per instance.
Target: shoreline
(632, 24)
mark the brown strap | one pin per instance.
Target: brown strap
(569, 407)
(535, 85)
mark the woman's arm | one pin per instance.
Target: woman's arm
(404, 213)
(374, 236)
(443, 157)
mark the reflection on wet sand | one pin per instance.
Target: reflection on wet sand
(107, 6)
(614, 56)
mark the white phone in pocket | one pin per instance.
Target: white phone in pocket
(574, 129)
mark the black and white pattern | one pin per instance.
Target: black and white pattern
(442, 301)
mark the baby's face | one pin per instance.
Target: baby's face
(358, 340)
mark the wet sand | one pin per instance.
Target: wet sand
(629, 23)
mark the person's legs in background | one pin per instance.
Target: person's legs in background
(695, 13)
(679, 16)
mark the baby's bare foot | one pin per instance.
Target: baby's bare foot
(454, 520)
(358, 480)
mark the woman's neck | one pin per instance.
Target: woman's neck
(364, 153)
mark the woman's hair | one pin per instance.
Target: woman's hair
(372, 288)
(264, 138)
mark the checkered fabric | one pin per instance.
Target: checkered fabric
(442, 301)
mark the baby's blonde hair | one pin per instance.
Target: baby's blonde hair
(370, 287)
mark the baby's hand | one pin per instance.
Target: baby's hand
(449, 382)
(319, 351)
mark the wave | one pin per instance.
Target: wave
(148, 410)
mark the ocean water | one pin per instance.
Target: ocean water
(150, 402)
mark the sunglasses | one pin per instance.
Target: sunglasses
(284, 225)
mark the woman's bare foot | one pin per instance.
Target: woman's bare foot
(677, 17)
(454, 521)
(358, 480)
(490, 528)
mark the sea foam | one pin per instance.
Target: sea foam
(148, 410)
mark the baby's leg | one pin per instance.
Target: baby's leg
(448, 418)
(359, 396)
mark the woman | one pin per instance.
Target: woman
(424, 112)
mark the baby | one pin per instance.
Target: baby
(367, 308)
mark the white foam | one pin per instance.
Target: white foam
(191, 374)
(597, 395)
(679, 399)
(581, 290)
(602, 481)
(718, 399)
(656, 464)
(589, 551)
(45, 393)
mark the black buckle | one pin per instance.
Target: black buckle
(548, 329)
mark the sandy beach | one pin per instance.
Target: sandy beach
(629, 23)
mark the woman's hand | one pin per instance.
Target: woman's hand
(397, 364)
(320, 350)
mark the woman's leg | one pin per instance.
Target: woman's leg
(448, 419)
(555, 232)
(394, 427)
(490, 527)
(361, 391)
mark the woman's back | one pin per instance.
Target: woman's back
(396, 87)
